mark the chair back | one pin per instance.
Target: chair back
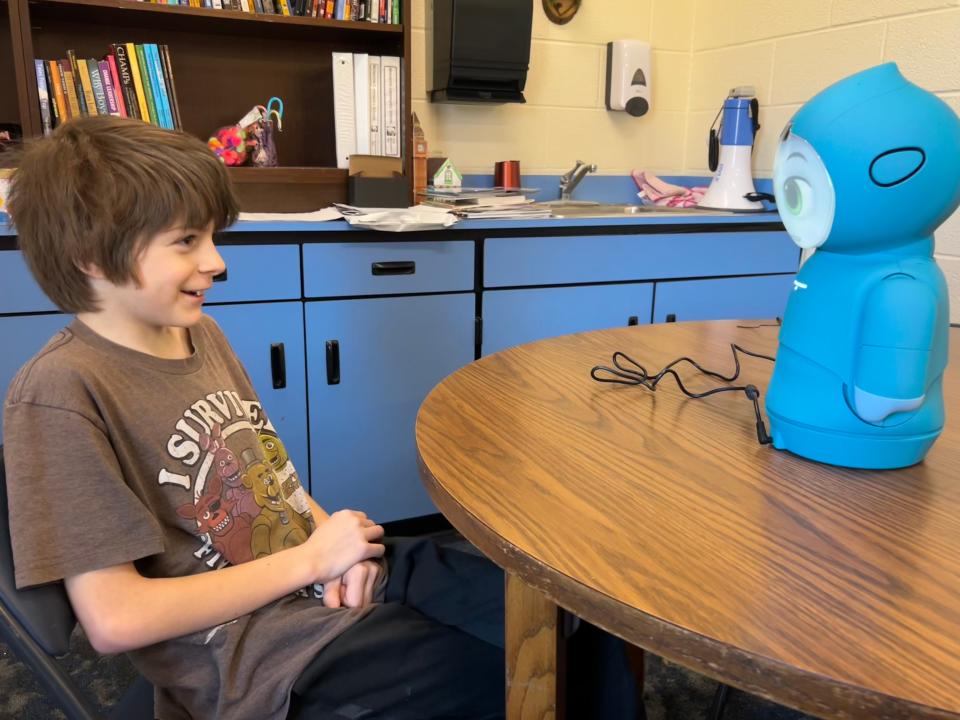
(43, 611)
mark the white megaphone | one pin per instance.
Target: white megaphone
(730, 151)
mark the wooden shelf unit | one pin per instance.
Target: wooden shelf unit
(224, 62)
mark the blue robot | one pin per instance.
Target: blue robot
(865, 172)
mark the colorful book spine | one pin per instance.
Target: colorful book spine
(77, 84)
(109, 89)
(59, 97)
(44, 96)
(66, 77)
(171, 86)
(55, 119)
(125, 80)
(147, 85)
(96, 84)
(89, 102)
(152, 53)
(284, 8)
(137, 81)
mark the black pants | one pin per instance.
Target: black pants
(434, 650)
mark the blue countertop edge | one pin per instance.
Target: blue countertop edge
(601, 188)
(626, 221)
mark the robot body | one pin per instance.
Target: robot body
(865, 172)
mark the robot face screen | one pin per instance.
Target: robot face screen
(804, 192)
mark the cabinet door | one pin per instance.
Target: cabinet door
(268, 339)
(392, 351)
(513, 317)
(744, 298)
(23, 337)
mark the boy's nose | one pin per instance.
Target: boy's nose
(212, 262)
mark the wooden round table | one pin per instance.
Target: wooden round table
(661, 519)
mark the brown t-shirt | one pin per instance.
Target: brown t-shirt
(114, 456)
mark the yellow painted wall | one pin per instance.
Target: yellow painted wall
(564, 118)
(791, 50)
(701, 48)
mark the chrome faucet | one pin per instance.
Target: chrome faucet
(570, 180)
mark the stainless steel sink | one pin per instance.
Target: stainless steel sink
(589, 208)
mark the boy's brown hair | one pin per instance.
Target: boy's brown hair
(98, 189)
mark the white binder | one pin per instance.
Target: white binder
(361, 101)
(343, 112)
(376, 105)
(391, 105)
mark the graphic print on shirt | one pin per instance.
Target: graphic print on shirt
(247, 497)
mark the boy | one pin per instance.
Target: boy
(143, 471)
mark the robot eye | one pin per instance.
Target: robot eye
(797, 195)
(804, 191)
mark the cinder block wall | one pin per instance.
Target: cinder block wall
(701, 48)
(790, 51)
(564, 118)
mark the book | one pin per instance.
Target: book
(148, 88)
(125, 77)
(109, 89)
(171, 87)
(44, 96)
(137, 76)
(59, 97)
(343, 116)
(55, 118)
(69, 88)
(90, 103)
(96, 84)
(376, 113)
(361, 102)
(78, 87)
(152, 54)
(390, 87)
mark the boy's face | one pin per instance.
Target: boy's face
(175, 270)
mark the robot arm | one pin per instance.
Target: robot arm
(892, 361)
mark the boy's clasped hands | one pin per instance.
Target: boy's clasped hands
(341, 547)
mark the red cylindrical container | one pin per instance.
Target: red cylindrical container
(506, 174)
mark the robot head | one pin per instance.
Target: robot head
(871, 163)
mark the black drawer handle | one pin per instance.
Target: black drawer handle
(399, 267)
(278, 366)
(221, 277)
(333, 362)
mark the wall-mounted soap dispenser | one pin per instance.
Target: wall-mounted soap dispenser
(480, 50)
(628, 76)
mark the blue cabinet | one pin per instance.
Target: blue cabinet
(742, 298)
(23, 336)
(364, 393)
(513, 317)
(268, 339)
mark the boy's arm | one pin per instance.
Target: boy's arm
(121, 610)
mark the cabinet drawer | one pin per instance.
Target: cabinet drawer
(19, 292)
(516, 262)
(344, 269)
(258, 272)
(747, 298)
(513, 317)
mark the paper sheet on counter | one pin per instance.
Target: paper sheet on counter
(417, 218)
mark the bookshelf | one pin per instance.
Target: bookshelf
(224, 62)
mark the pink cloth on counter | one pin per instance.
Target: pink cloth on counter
(654, 191)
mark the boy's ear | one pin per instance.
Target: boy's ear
(91, 270)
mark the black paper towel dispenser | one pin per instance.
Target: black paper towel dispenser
(481, 50)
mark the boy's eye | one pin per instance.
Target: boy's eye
(188, 240)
